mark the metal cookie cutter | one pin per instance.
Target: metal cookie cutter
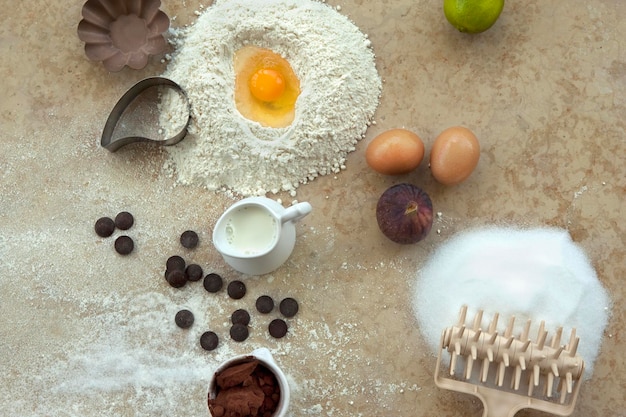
(113, 145)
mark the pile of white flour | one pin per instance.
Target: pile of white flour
(340, 90)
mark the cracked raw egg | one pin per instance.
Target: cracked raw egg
(266, 87)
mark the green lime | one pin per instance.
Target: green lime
(472, 16)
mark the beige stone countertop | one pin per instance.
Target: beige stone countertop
(87, 332)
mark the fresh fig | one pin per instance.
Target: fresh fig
(404, 213)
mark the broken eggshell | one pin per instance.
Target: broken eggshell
(123, 32)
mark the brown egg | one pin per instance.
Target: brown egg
(395, 152)
(454, 155)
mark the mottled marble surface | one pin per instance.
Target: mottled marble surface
(87, 332)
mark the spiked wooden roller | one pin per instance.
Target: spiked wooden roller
(507, 372)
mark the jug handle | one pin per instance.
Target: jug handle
(264, 354)
(295, 212)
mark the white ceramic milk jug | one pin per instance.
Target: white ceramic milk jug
(257, 234)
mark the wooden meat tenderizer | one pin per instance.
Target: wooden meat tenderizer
(541, 376)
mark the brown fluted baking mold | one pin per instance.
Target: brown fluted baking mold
(123, 32)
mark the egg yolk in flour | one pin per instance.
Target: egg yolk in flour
(266, 88)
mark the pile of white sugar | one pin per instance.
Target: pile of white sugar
(536, 274)
(340, 90)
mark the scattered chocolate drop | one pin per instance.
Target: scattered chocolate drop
(240, 316)
(288, 307)
(124, 220)
(213, 282)
(209, 340)
(239, 332)
(175, 263)
(184, 319)
(189, 239)
(176, 278)
(105, 226)
(264, 304)
(124, 245)
(194, 272)
(236, 290)
(278, 328)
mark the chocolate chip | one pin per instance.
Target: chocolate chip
(189, 239)
(124, 220)
(124, 245)
(105, 226)
(209, 340)
(278, 328)
(240, 316)
(288, 307)
(239, 332)
(184, 319)
(213, 282)
(176, 278)
(194, 272)
(175, 262)
(264, 304)
(236, 290)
